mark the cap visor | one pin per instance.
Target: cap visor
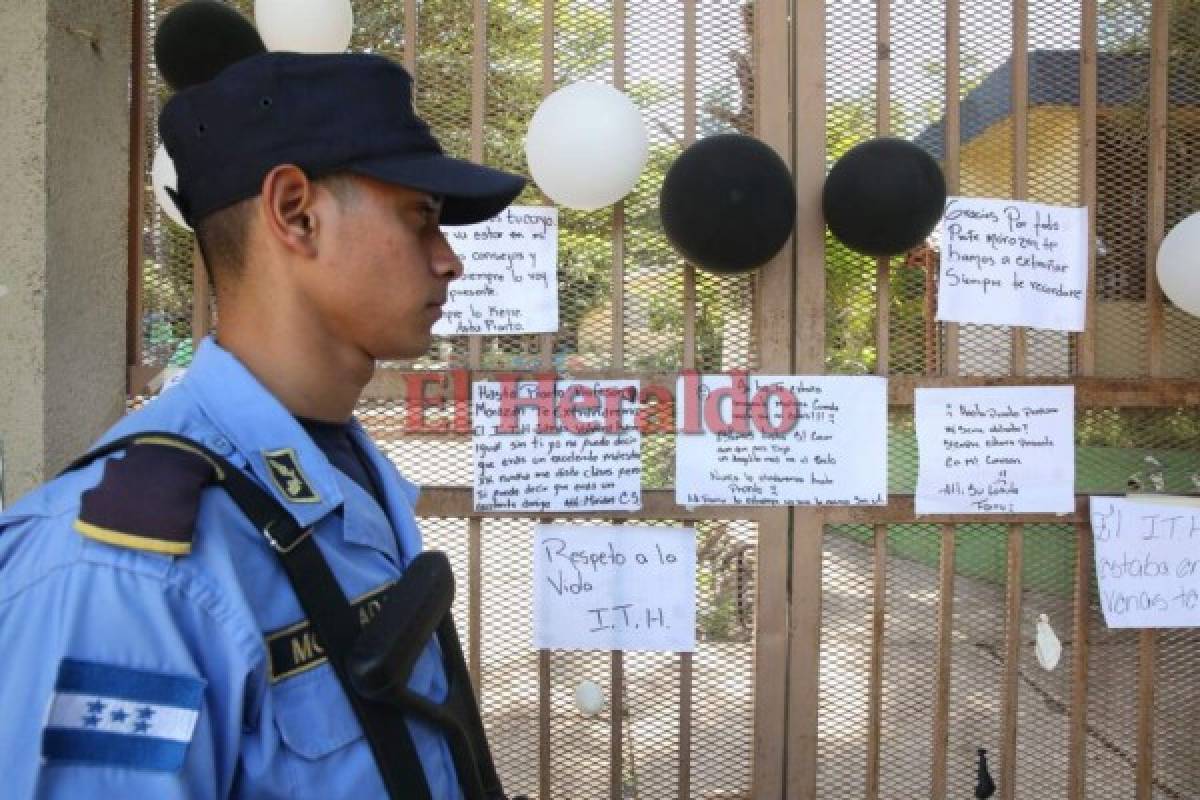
(471, 193)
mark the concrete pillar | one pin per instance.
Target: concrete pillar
(64, 159)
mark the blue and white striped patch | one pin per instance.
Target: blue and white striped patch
(105, 714)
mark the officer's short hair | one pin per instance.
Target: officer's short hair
(223, 235)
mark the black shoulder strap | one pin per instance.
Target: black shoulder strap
(334, 621)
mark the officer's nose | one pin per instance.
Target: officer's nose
(445, 263)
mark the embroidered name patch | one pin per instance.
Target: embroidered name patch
(287, 476)
(106, 714)
(296, 649)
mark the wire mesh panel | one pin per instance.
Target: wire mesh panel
(850, 315)
(986, 147)
(909, 655)
(977, 654)
(1052, 145)
(1122, 160)
(847, 608)
(165, 276)
(1044, 692)
(509, 664)
(1177, 697)
(1112, 709)
(917, 91)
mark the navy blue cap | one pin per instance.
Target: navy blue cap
(325, 113)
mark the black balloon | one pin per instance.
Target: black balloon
(728, 203)
(883, 197)
(200, 38)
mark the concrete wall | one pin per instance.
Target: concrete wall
(64, 144)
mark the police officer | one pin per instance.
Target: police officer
(152, 644)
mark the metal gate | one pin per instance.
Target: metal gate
(841, 652)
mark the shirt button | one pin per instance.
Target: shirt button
(220, 445)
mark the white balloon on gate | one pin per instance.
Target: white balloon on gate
(586, 145)
(162, 175)
(1178, 265)
(305, 26)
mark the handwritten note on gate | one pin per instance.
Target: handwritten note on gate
(781, 440)
(1147, 561)
(1005, 262)
(995, 450)
(510, 274)
(614, 588)
(599, 468)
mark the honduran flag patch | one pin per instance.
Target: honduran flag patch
(107, 714)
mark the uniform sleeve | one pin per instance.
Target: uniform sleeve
(124, 675)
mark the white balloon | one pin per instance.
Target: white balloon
(1178, 265)
(589, 698)
(586, 145)
(162, 175)
(1048, 648)
(305, 26)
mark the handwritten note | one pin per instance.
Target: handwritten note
(1005, 262)
(614, 588)
(598, 468)
(1147, 562)
(995, 450)
(510, 274)
(781, 440)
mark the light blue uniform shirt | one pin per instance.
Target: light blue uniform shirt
(201, 620)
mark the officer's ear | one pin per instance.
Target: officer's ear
(288, 211)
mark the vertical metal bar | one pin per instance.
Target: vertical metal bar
(1020, 107)
(689, 362)
(952, 146)
(773, 102)
(875, 680)
(945, 627)
(410, 38)
(475, 602)
(689, 135)
(544, 764)
(616, 758)
(685, 723)
(685, 726)
(475, 343)
(137, 190)
(479, 61)
(201, 312)
(883, 105)
(618, 233)
(1087, 174)
(617, 766)
(1156, 191)
(1077, 747)
(1147, 673)
(808, 354)
(1012, 655)
(546, 341)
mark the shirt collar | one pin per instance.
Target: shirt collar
(278, 451)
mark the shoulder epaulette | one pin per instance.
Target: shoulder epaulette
(148, 499)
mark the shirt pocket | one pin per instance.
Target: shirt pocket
(316, 723)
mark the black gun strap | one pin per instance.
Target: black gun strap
(462, 699)
(333, 620)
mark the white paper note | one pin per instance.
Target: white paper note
(995, 450)
(1147, 562)
(555, 469)
(614, 588)
(510, 274)
(1005, 262)
(781, 440)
